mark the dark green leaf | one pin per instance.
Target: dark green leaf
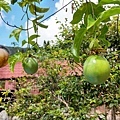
(93, 9)
(22, 4)
(98, 9)
(38, 18)
(13, 2)
(77, 41)
(35, 26)
(106, 42)
(34, 1)
(32, 37)
(104, 30)
(41, 10)
(31, 9)
(102, 36)
(41, 25)
(88, 8)
(34, 9)
(16, 33)
(32, 43)
(77, 17)
(24, 42)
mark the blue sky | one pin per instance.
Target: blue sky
(14, 18)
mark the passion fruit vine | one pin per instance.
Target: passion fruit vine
(96, 69)
(30, 65)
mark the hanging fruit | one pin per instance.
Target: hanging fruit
(96, 69)
(4, 55)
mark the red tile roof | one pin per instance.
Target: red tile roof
(5, 72)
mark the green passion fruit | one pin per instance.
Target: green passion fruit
(30, 65)
(96, 69)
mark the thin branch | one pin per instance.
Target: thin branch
(23, 14)
(63, 101)
(14, 26)
(56, 11)
(60, 99)
(27, 26)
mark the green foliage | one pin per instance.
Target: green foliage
(91, 17)
(16, 33)
(15, 58)
(5, 6)
(77, 42)
(65, 96)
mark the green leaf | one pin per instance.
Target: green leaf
(14, 59)
(92, 43)
(34, 1)
(38, 18)
(32, 37)
(5, 6)
(32, 43)
(35, 26)
(90, 21)
(77, 42)
(22, 4)
(93, 9)
(24, 42)
(102, 37)
(104, 30)
(77, 17)
(106, 42)
(16, 33)
(106, 14)
(103, 2)
(41, 10)
(33, 9)
(87, 9)
(41, 25)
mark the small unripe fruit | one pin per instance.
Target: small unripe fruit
(30, 65)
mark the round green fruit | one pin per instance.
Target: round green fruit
(96, 69)
(30, 65)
